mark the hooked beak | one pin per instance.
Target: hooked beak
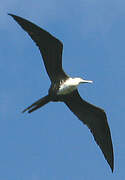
(86, 81)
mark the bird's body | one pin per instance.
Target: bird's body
(67, 86)
(64, 88)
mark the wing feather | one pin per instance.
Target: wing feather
(50, 47)
(96, 120)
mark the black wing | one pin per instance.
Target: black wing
(95, 119)
(50, 47)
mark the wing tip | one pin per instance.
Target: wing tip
(111, 163)
(17, 18)
(24, 111)
(28, 111)
(109, 156)
(11, 15)
(112, 167)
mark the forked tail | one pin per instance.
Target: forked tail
(41, 102)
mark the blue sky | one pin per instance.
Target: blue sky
(52, 143)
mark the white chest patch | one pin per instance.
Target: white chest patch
(67, 87)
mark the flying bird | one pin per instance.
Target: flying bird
(64, 88)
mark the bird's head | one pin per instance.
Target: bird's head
(80, 80)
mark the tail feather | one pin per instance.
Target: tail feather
(41, 102)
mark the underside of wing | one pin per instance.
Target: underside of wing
(95, 119)
(50, 47)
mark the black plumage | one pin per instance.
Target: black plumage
(94, 117)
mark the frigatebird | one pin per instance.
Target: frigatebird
(64, 88)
